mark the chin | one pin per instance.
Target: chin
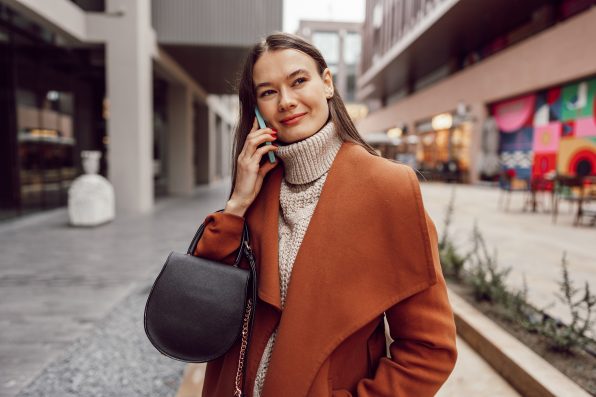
(305, 131)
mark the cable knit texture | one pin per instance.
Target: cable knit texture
(306, 165)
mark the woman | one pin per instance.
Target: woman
(341, 240)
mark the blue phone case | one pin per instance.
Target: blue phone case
(263, 125)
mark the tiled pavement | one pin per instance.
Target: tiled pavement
(71, 303)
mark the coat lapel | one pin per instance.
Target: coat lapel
(361, 254)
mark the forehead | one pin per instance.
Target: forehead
(277, 65)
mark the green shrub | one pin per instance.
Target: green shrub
(452, 263)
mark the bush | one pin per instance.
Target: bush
(452, 263)
(565, 337)
(485, 277)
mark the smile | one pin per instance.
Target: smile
(294, 119)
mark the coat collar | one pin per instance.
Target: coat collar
(365, 249)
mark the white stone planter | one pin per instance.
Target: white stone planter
(91, 196)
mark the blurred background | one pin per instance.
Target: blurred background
(492, 102)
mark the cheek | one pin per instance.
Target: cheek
(323, 105)
(268, 110)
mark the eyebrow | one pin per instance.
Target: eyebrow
(291, 75)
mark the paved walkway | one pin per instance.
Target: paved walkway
(58, 284)
(527, 242)
(71, 303)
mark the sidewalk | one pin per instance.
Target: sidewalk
(59, 284)
(528, 242)
(71, 305)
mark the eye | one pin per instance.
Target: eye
(266, 93)
(299, 81)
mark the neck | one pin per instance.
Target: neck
(308, 159)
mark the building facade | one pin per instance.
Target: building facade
(448, 77)
(149, 83)
(340, 44)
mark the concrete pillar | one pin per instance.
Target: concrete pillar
(180, 140)
(129, 90)
(201, 134)
(213, 155)
(225, 149)
(479, 113)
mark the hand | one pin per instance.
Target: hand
(249, 172)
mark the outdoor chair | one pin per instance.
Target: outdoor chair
(586, 206)
(570, 189)
(539, 186)
(509, 183)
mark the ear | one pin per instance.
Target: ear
(328, 83)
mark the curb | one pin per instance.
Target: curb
(525, 370)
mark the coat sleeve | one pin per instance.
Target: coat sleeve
(221, 238)
(423, 352)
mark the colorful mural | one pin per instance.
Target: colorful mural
(577, 156)
(552, 130)
(546, 138)
(514, 114)
(578, 100)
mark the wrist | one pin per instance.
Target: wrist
(235, 207)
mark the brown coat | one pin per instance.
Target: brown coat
(370, 248)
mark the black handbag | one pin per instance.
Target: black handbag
(197, 308)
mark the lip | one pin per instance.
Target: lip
(293, 119)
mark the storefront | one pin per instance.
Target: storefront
(443, 150)
(51, 106)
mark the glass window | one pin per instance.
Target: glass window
(328, 44)
(351, 87)
(352, 46)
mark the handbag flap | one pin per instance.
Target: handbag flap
(195, 308)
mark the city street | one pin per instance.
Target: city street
(71, 305)
(131, 118)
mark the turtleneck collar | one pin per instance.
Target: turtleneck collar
(307, 160)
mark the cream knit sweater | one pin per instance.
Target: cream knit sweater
(306, 165)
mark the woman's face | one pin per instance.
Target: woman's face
(291, 95)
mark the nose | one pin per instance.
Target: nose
(286, 100)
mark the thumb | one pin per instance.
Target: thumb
(265, 168)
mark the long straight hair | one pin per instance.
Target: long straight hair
(248, 101)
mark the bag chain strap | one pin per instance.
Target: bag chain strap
(238, 391)
(243, 345)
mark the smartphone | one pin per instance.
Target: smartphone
(262, 124)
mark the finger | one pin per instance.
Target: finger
(260, 152)
(265, 168)
(258, 132)
(260, 138)
(255, 125)
(249, 137)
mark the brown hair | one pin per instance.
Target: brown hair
(246, 93)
